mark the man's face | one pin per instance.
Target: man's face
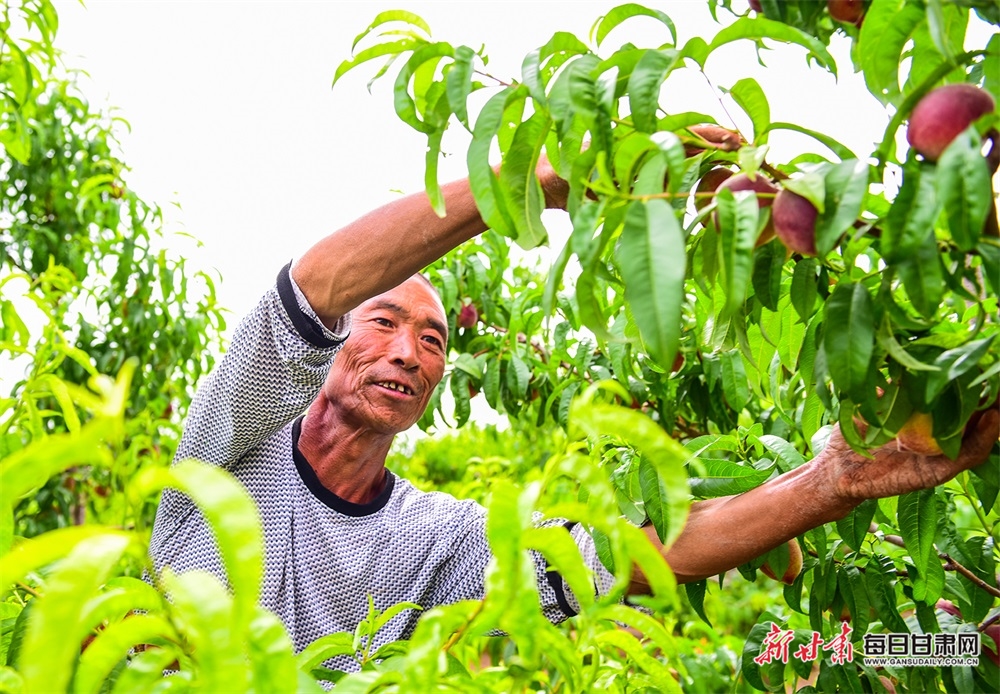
(388, 368)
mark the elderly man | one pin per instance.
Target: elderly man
(338, 526)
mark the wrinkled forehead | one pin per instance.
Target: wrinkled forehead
(415, 299)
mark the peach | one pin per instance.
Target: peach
(794, 564)
(794, 220)
(943, 114)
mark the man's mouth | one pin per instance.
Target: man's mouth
(398, 387)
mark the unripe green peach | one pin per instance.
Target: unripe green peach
(943, 114)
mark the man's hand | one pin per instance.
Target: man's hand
(727, 531)
(854, 478)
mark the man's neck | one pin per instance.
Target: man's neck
(348, 461)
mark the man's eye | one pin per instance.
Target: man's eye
(384, 321)
(433, 340)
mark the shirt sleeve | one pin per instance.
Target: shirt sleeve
(276, 363)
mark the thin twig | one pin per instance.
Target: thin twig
(28, 589)
(461, 630)
(952, 565)
(722, 104)
(949, 565)
(989, 622)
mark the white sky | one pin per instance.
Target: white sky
(234, 121)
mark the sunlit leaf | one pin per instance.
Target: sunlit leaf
(651, 256)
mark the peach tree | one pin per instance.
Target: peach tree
(711, 315)
(742, 304)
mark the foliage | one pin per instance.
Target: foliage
(609, 427)
(742, 349)
(86, 282)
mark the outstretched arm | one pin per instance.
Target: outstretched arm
(723, 533)
(381, 249)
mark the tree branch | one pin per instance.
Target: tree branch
(949, 565)
(952, 565)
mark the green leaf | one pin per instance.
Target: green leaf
(231, 514)
(785, 452)
(734, 380)
(763, 28)
(29, 467)
(766, 280)
(460, 392)
(431, 184)
(653, 496)
(603, 26)
(114, 643)
(644, 87)
(804, 293)
(854, 527)
(393, 48)
(811, 186)
(751, 98)
(922, 276)
(483, 180)
(696, 596)
(563, 555)
(723, 478)
(591, 100)
(271, 655)
(852, 588)
(842, 152)
(884, 33)
(887, 341)
(917, 514)
(518, 376)
(212, 628)
(879, 579)
(738, 225)
(652, 260)
(753, 647)
(52, 642)
(405, 105)
(849, 337)
(392, 16)
(666, 455)
(324, 648)
(846, 186)
(523, 192)
(620, 641)
(491, 382)
(991, 72)
(963, 186)
(954, 362)
(459, 84)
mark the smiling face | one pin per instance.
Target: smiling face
(395, 357)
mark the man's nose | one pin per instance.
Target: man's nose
(404, 350)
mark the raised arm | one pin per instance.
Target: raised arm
(723, 533)
(381, 249)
